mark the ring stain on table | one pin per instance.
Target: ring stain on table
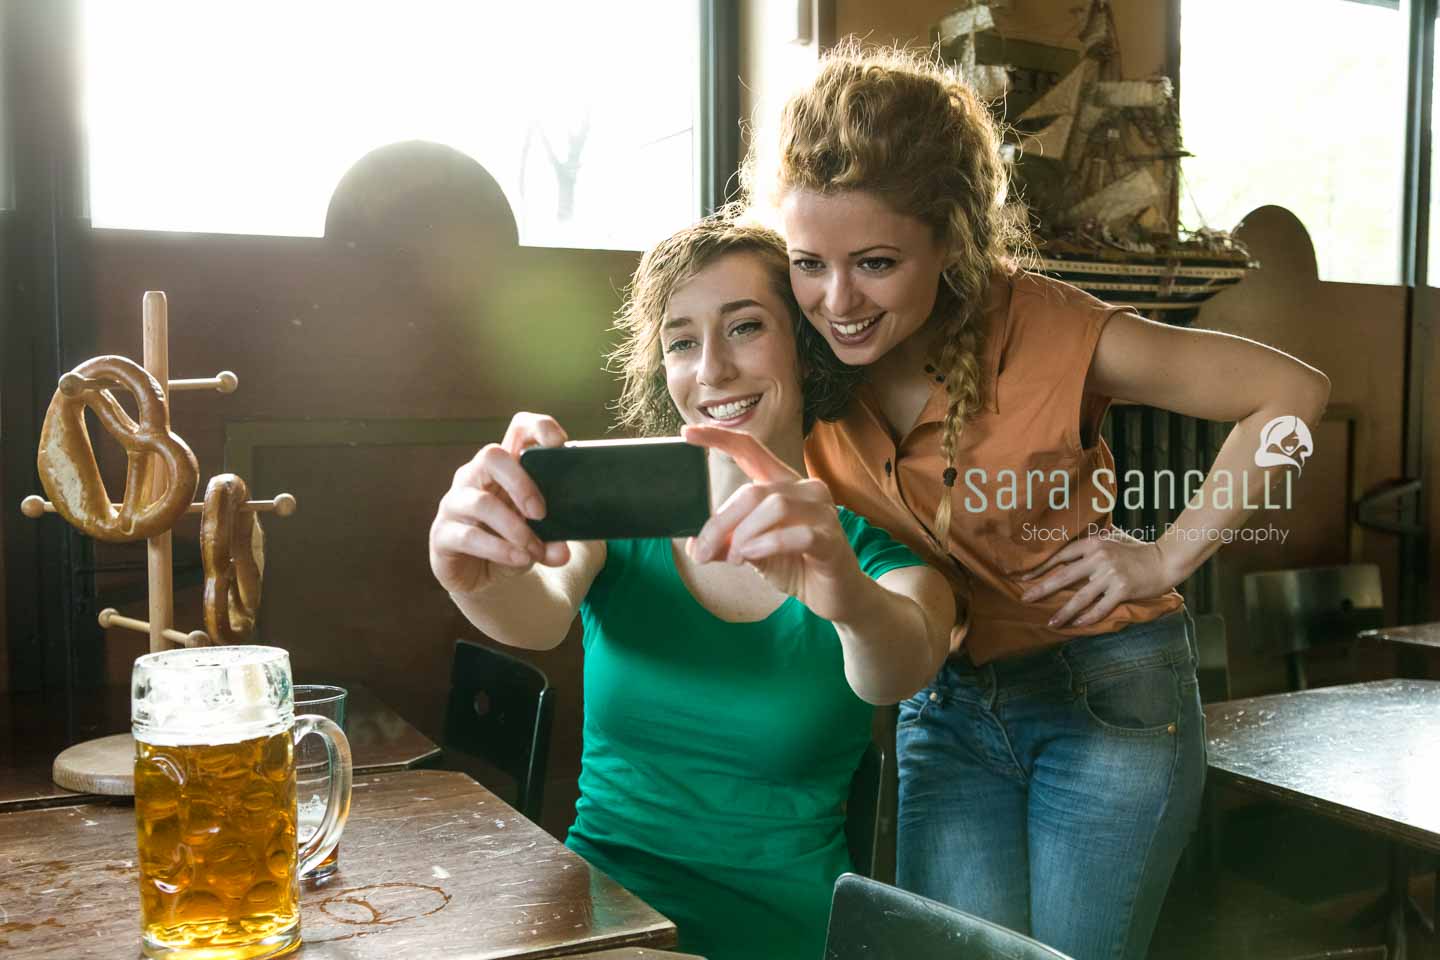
(378, 905)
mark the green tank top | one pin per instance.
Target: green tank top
(718, 756)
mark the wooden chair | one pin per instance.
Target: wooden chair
(870, 920)
(1290, 611)
(500, 711)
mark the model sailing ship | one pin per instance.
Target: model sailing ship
(1097, 160)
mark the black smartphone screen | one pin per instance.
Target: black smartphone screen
(620, 489)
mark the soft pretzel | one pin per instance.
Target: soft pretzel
(67, 460)
(232, 550)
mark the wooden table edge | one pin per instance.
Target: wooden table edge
(661, 937)
(1393, 635)
(660, 953)
(1245, 702)
(1369, 823)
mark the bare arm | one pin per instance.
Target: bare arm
(898, 635)
(534, 609)
(1198, 373)
(1213, 376)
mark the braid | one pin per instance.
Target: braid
(974, 235)
(962, 338)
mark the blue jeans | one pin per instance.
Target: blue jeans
(1054, 793)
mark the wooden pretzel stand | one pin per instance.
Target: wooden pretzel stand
(161, 469)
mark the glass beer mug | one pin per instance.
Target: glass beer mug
(215, 816)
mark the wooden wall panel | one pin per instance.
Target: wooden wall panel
(1432, 449)
(7, 516)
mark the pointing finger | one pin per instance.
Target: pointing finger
(750, 454)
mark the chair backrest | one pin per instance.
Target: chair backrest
(862, 810)
(1288, 611)
(1212, 651)
(501, 711)
(870, 920)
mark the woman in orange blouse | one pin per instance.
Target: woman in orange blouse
(1051, 773)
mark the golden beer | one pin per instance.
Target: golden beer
(327, 866)
(215, 790)
(216, 834)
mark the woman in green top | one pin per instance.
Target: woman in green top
(728, 680)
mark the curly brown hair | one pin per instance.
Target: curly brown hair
(900, 125)
(645, 407)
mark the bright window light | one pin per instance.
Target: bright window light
(1298, 103)
(221, 116)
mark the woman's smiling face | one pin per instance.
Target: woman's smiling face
(865, 276)
(728, 343)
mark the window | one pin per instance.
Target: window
(1299, 103)
(240, 116)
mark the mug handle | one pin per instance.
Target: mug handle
(337, 805)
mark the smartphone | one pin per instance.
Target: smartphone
(620, 489)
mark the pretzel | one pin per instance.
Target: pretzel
(67, 465)
(232, 551)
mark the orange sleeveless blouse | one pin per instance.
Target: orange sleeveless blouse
(1033, 472)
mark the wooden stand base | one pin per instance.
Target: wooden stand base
(105, 766)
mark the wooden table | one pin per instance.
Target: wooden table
(1366, 754)
(431, 865)
(1417, 647)
(380, 740)
(1416, 635)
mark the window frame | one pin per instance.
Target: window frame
(719, 112)
(717, 115)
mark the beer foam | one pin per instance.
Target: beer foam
(211, 695)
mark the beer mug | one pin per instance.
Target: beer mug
(215, 814)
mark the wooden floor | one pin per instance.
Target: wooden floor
(1289, 885)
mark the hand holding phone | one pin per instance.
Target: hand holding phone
(480, 533)
(783, 525)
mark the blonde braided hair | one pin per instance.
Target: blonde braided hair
(897, 124)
